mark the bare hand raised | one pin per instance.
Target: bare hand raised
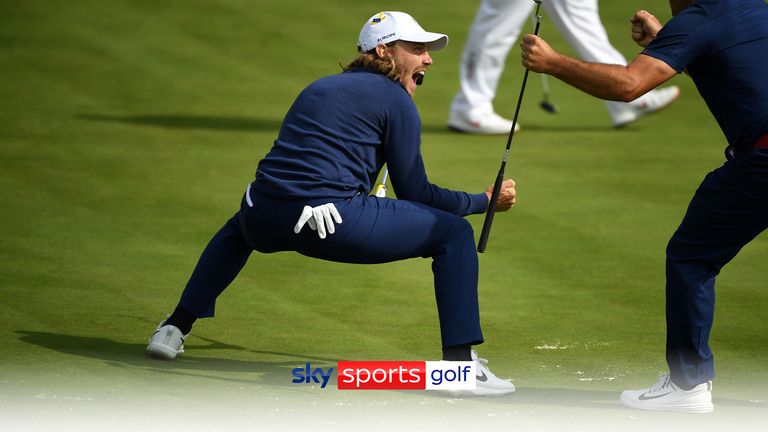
(645, 26)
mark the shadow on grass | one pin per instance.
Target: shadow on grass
(238, 124)
(245, 124)
(278, 373)
(121, 354)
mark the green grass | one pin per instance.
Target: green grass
(129, 129)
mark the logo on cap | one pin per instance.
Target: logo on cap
(378, 18)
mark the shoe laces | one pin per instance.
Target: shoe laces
(483, 364)
(664, 382)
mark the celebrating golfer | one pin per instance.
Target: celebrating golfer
(722, 45)
(335, 138)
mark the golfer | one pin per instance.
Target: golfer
(721, 45)
(333, 142)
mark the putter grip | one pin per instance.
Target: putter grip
(486, 232)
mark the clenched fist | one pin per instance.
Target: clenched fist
(645, 26)
(507, 195)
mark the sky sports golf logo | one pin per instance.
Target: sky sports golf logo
(392, 375)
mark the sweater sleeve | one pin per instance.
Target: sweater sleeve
(402, 147)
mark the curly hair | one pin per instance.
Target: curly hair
(371, 61)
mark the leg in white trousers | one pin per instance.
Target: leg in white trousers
(498, 25)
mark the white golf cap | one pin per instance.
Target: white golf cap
(390, 26)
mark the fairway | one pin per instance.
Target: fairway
(129, 130)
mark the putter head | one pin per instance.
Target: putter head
(548, 107)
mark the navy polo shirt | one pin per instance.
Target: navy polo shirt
(724, 46)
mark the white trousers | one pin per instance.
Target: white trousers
(497, 26)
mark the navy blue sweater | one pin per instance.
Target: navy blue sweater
(337, 136)
(723, 44)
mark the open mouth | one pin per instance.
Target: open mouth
(418, 77)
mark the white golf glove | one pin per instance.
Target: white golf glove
(319, 219)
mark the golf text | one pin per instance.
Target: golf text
(406, 375)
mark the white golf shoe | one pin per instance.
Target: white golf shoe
(482, 122)
(167, 342)
(487, 382)
(666, 396)
(623, 114)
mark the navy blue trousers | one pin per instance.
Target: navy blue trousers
(729, 209)
(374, 230)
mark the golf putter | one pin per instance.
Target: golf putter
(483, 242)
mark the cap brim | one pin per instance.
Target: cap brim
(434, 41)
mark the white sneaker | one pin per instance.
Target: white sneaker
(487, 382)
(648, 103)
(666, 396)
(167, 342)
(480, 122)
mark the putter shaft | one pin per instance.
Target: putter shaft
(491, 211)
